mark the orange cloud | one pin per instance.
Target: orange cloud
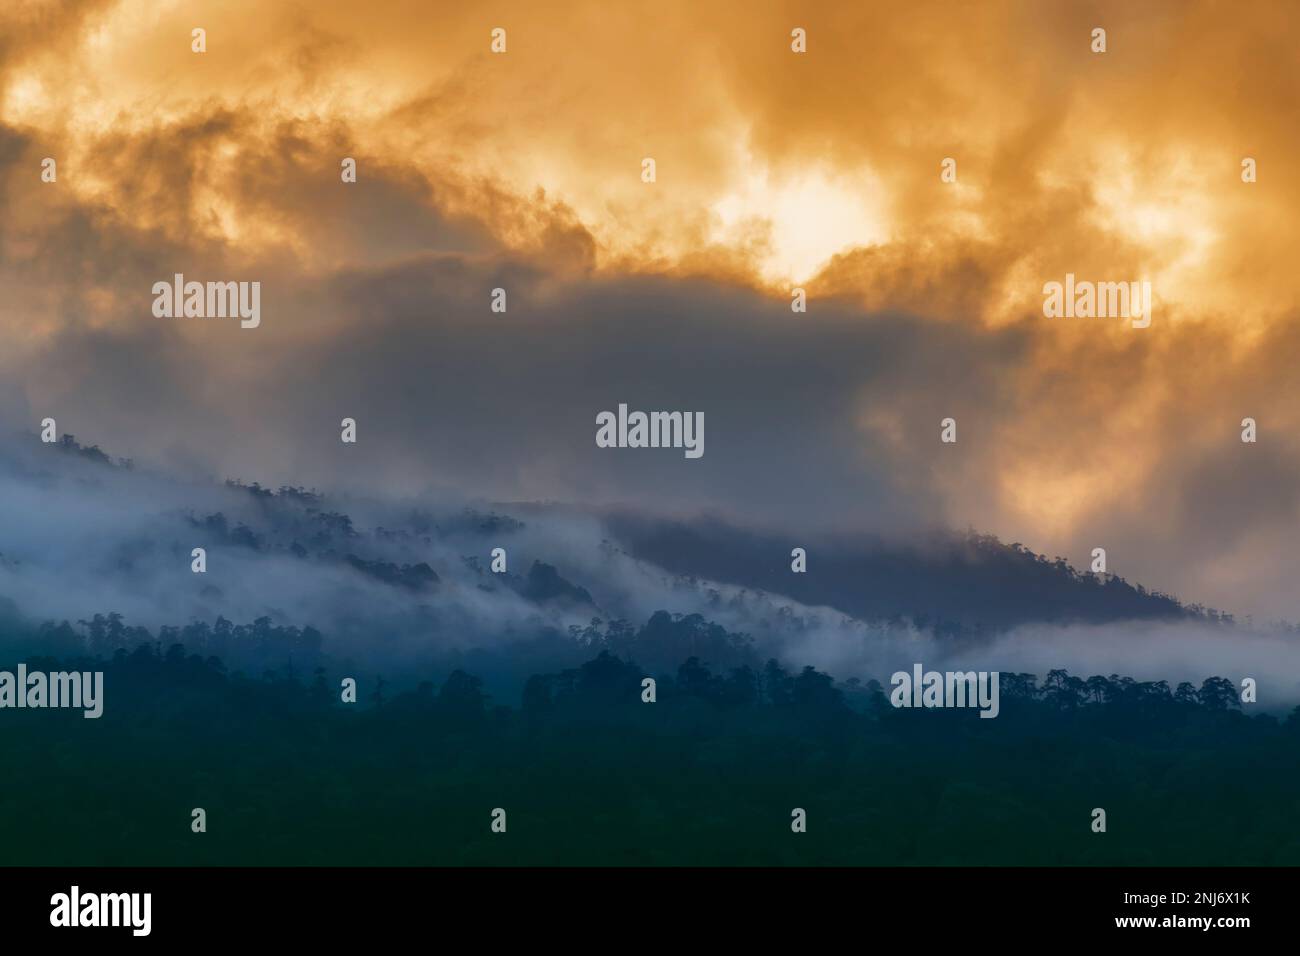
(773, 168)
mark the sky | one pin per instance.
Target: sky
(820, 170)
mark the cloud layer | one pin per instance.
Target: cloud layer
(522, 172)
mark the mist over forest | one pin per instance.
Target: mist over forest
(98, 551)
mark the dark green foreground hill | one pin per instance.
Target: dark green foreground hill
(588, 774)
